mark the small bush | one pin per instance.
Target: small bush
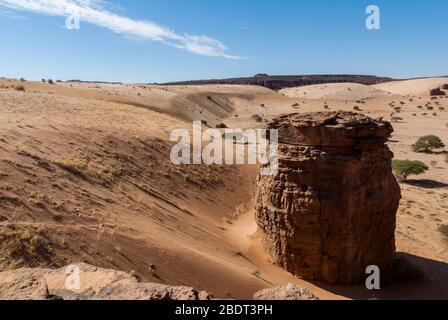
(221, 126)
(257, 118)
(404, 168)
(397, 119)
(19, 88)
(428, 144)
(50, 81)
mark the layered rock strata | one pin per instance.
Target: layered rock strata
(330, 211)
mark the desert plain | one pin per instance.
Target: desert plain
(85, 176)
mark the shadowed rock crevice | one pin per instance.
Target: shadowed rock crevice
(330, 211)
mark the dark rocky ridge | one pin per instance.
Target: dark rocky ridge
(281, 82)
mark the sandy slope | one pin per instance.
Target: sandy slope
(85, 176)
(415, 87)
(334, 91)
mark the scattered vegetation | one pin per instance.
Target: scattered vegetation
(22, 248)
(257, 118)
(428, 144)
(19, 87)
(50, 81)
(404, 168)
(221, 126)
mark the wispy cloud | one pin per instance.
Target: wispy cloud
(94, 12)
(11, 14)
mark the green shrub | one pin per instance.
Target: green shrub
(427, 144)
(404, 168)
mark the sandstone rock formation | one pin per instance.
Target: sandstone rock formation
(330, 211)
(286, 292)
(95, 284)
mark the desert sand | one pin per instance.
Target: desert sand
(85, 176)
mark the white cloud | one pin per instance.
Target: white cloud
(94, 12)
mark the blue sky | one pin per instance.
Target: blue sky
(169, 40)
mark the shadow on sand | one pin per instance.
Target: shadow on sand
(427, 184)
(420, 279)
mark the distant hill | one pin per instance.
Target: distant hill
(281, 82)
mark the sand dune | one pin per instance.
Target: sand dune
(334, 91)
(416, 87)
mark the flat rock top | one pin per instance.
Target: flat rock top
(331, 129)
(331, 119)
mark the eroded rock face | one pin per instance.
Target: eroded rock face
(330, 211)
(95, 284)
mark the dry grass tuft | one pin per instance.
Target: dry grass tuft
(22, 248)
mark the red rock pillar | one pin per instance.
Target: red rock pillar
(330, 211)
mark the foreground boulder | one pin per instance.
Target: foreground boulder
(101, 284)
(286, 292)
(95, 284)
(330, 211)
